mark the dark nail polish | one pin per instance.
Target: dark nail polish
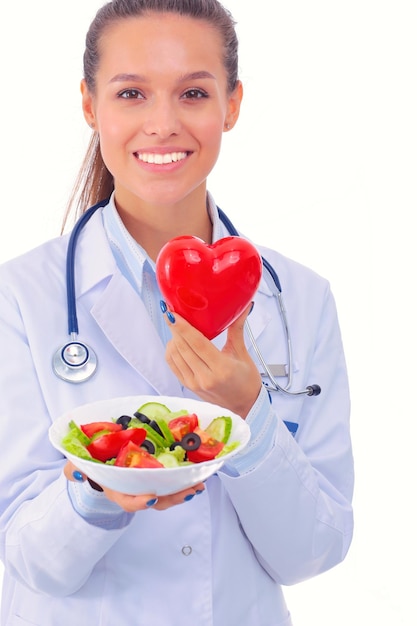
(171, 317)
(189, 497)
(78, 476)
(94, 485)
(152, 502)
(163, 306)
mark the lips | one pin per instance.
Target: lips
(161, 159)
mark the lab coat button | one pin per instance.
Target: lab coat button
(186, 550)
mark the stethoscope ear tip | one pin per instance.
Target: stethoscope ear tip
(313, 390)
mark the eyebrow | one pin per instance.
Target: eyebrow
(120, 78)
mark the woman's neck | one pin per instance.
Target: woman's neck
(152, 226)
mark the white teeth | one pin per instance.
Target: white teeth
(161, 159)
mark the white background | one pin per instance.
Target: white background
(326, 151)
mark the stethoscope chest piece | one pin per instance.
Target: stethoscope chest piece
(75, 362)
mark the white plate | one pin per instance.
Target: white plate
(161, 481)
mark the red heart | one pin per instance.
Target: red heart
(208, 285)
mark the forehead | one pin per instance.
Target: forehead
(161, 42)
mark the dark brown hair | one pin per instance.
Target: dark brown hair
(94, 181)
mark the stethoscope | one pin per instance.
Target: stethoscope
(76, 362)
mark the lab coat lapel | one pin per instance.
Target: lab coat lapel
(134, 336)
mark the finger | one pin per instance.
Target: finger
(194, 372)
(131, 503)
(182, 497)
(183, 358)
(235, 332)
(179, 367)
(188, 337)
(73, 474)
(239, 324)
(189, 350)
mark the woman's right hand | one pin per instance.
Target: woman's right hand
(130, 503)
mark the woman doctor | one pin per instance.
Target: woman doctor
(160, 87)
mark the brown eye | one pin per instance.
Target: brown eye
(130, 94)
(195, 94)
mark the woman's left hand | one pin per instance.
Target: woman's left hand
(227, 377)
(133, 503)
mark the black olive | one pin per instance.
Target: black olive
(156, 428)
(174, 444)
(148, 446)
(142, 418)
(124, 420)
(191, 441)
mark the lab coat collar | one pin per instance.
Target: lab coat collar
(94, 261)
(102, 264)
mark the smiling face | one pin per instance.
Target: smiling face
(160, 107)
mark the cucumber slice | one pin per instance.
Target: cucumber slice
(154, 409)
(220, 428)
(173, 414)
(168, 459)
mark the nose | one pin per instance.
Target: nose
(162, 119)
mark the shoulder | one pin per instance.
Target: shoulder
(39, 260)
(46, 264)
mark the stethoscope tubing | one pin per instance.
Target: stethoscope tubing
(70, 267)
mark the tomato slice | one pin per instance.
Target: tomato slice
(207, 450)
(180, 426)
(108, 446)
(132, 455)
(96, 427)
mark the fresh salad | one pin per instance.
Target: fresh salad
(153, 436)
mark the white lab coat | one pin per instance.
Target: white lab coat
(285, 521)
